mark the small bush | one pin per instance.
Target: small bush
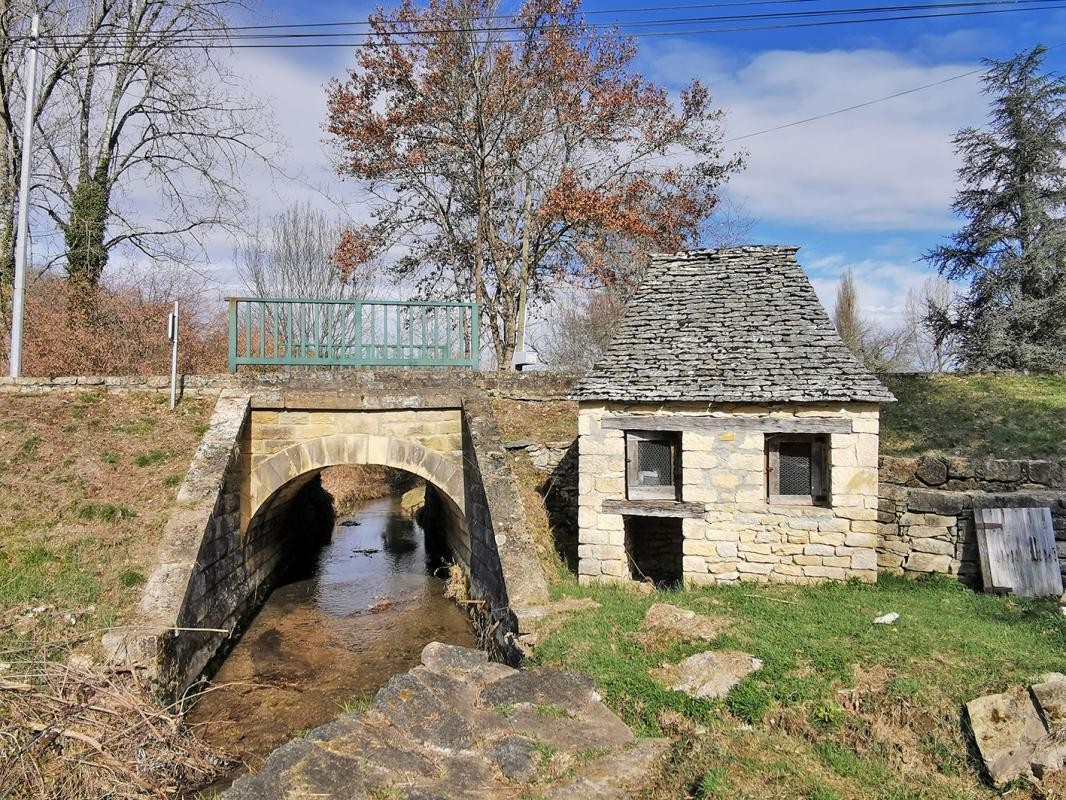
(170, 481)
(109, 457)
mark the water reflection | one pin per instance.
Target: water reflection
(346, 618)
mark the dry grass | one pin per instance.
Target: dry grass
(74, 731)
(89, 481)
(351, 485)
(541, 421)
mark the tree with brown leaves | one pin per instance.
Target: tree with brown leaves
(501, 158)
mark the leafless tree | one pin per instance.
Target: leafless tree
(292, 256)
(928, 351)
(142, 129)
(882, 348)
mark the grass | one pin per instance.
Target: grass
(86, 495)
(840, 703)
(1018, 416)
(979, 416)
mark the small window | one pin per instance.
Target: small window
(653, 465)
(797, 469)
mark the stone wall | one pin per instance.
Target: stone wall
(195, 595)
(504, 570)
(189, 385)
(926, 508)
(511, 385)
(283, 445)
(737, 534)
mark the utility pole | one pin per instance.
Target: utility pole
(22, 243)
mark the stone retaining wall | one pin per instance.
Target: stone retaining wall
(509, 385)
(926, 508)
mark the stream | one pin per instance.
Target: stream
(340, 624)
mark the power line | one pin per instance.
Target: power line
(866, 103)
(881, 15)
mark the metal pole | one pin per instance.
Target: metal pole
(174, 357)
(22, 242)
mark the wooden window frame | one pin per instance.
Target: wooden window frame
(821, 469)
(666, 492)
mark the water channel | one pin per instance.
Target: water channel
(344, 620)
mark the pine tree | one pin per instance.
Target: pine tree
(1012, 250)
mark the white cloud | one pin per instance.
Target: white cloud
(882, 285)
(889, 166)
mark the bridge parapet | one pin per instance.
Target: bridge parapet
(306, 332)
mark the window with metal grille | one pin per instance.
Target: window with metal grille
(797, 469)
(653, 461)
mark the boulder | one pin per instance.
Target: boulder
(1007, 731)
(707, 675)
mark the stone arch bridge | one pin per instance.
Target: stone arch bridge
(239, 519)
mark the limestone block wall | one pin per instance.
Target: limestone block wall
(926, 509)
(388, 437)
(738, 534)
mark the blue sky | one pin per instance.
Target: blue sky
(870, 189)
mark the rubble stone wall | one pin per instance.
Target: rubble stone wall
(926, 509)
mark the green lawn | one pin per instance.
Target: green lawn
(1001, 416)
(842, 708)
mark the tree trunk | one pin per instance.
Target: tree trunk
(85, 231)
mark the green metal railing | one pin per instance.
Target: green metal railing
(290, 332)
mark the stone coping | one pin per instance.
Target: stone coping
(446, 382)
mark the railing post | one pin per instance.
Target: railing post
(232, 335)
(359, 333)
(475, 336)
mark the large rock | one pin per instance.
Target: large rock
(932, 471)
(1007, 731)
(707, 675)
(460, 726)
(682, 623)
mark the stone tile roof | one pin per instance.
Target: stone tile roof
(732, 325)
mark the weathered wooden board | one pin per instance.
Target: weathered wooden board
(1017, 551)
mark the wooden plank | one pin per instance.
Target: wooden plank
(1017, 551)
(653, 508)
(684, 422)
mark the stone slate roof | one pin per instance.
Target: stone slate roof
(732, 325)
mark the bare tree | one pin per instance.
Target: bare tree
(846, 313)
(881, 348)
(929, 351)
(142, 130)
(294, 258)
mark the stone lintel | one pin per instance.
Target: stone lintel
(686, 422)
(654, 508)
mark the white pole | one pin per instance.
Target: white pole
(22, 242)
(174, 357)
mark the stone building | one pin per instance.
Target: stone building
(727, 433)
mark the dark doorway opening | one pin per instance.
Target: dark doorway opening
(655, 549)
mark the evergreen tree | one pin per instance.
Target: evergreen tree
(1012, 250)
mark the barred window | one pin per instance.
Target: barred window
(797, 469)
(653, 465)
